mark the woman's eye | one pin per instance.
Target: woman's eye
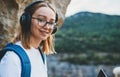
(41, 20)
(51, 23)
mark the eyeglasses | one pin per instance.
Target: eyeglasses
(44, 22)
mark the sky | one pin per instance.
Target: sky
(111, 7)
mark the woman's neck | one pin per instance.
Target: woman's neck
(35, 43)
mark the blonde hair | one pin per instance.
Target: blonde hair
(47, 45)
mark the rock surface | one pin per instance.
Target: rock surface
(10, 11)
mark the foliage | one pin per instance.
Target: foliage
(85, 31)
(89, 31)
(108, 59)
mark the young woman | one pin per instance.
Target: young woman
(38, 23)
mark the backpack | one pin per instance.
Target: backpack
(25, 62)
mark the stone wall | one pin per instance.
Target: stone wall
(10, 11)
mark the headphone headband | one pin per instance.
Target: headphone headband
(31, 5)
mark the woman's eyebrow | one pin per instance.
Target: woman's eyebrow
(44, 17)
(41, 16)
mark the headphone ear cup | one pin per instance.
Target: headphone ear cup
(54, 30)
(25, 19)
(56, 18)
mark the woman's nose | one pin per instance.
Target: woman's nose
(47, 26)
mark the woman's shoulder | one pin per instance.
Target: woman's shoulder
(10, 57)
(10, 65)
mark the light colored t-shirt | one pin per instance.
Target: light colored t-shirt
(10, 65)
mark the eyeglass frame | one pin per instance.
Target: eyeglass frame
(45, 22)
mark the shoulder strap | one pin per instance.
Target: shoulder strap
(42, 55)
(25, 62)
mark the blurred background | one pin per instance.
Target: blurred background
(88, 41)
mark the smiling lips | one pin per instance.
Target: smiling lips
(44, 32)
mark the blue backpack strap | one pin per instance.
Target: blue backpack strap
(25, 62)
(42, 55)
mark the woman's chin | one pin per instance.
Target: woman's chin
(44, 38)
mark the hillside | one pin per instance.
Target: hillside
(90, 33)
